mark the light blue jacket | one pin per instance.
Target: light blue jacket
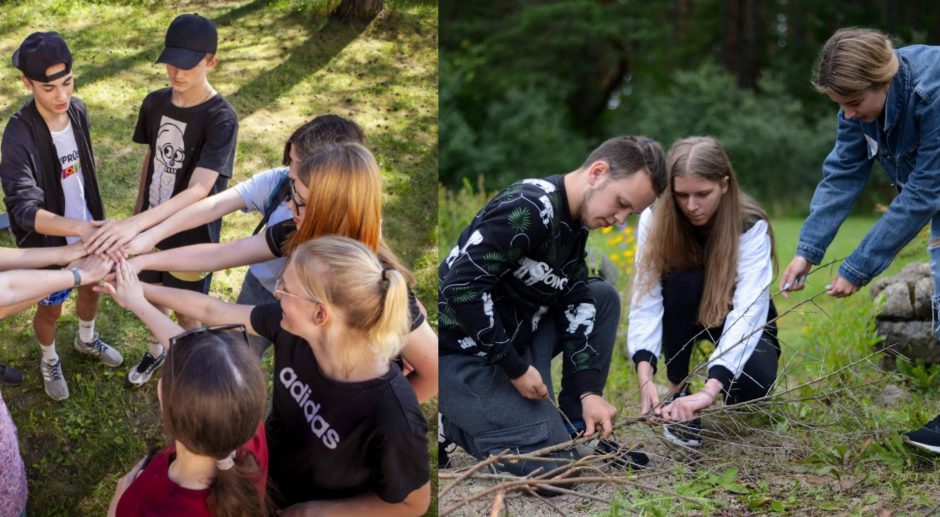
(908, 148)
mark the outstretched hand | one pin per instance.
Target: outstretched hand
(92, 268)
(598, 415)
(111, 237)
(125, 289)
(794, 277)
(841, 288)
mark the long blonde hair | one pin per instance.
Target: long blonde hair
(854, 60)
(672, 244)
(346, 274)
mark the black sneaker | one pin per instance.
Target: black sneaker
(623, 459)
(687, 434)
(10, 375)
(927, 437)
(148, 364)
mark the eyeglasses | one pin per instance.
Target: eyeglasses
(279, 289)
(293, 195)
(232, 333)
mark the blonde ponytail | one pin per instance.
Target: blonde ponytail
(346, 274)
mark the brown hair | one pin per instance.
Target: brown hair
(854, 60)
(322, 130)
(672, 243)
(626, 155)
(344, 198)
(213, 396)
(346, 274)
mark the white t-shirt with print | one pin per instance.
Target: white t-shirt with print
(73, 183)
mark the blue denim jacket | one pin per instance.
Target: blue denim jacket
(908, 148)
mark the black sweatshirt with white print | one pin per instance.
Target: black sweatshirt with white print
(522, 257)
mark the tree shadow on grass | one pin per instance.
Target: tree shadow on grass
(316, 51)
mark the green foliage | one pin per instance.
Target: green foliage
(921, 376)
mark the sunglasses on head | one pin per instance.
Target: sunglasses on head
(232, 333)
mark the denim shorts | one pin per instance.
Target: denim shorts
(57, 298)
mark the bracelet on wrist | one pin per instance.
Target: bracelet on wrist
(586, 393)
(76, 277)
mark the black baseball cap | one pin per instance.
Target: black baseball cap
(188, 40)
(38, 52)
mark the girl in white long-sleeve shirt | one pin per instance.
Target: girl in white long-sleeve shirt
(704, 264)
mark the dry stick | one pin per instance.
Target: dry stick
(468, 473)
(497, 504)
(520, 484)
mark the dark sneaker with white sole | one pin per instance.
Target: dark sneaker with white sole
(687, 434)
(927, 437)
(622, 458)
(148, 364)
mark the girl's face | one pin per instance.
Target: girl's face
(864, 107)
(698, 198)
(298, 200)
(299, 310)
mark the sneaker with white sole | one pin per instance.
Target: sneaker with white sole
(148, 364)
(53, 380)
(927, 437)
(98, 348)
(687, 434)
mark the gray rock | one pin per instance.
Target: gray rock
(913, 339)
(892, 395)
(923, 292)
(909, 275)
(897, 301)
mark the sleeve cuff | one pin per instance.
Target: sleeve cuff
(513, 365)
(645, 355)
(587, 381)
(852, 275)
(810, 253)
(723, 375)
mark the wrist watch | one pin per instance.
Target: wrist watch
(76, 276)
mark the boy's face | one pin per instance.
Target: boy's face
(52, 97)
(184, 81)
(608, 201)
(300, 190)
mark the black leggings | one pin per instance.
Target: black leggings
(682, 293)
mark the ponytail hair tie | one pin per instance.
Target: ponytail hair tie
(385, 274)
(227, 462)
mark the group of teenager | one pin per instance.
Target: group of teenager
(343, 432)
(515, 291)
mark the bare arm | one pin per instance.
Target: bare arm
(24, 285)
(199, 213)
(207, 257)
(420, 351)
(48, 223)
(117, 234)
(139, 204)
(366, 505)
(204, 308)
(29, 258)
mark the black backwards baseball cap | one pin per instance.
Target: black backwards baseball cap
(188, 40)
(38, 52)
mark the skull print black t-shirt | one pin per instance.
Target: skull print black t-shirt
(181, 139)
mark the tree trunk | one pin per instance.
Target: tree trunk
(357, 10)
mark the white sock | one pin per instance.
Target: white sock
(86, 330)
(154, 349)
(48, 352)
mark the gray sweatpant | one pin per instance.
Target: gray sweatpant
(485, 415)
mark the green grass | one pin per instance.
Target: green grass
(280, 64)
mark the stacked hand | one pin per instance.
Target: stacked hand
(124, 288)
(111, 237)
(92, 268)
